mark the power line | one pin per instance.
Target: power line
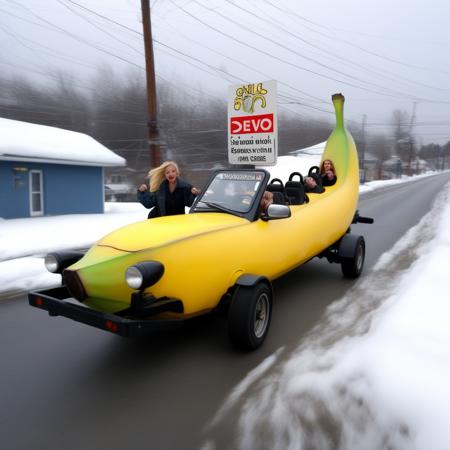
(276, 57)
(77, 38)
(366, 68)
(175, 50)
(301, 55)
(179, 52)
(106, 18)
(66, 32)
(248, 67)
(100, 29)
(226, 73)
(50, 51)
(392, 60)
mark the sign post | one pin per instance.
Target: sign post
(252, 124)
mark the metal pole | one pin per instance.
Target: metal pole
(153, 131)
(411, 143)
(363, 149)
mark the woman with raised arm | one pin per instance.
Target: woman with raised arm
(167, 194)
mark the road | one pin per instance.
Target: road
(66, 385)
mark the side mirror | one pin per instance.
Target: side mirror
(277, 212)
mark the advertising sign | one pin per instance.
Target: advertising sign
(252, 124)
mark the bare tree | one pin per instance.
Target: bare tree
(193, 125)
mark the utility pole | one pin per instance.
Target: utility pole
(363, 148)
(152, 121)
(411, 144)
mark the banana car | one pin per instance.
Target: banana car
(223, 255)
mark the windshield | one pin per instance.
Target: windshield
(231, 191)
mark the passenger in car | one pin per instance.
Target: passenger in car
(328, 173)
(167, 194)
(311, 186)
(266, 201)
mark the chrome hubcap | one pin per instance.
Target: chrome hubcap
(359, 257)
(261, 315)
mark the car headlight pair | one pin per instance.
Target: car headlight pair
(144, 274)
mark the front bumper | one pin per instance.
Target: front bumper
(55, 301)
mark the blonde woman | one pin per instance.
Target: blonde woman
(167, 194)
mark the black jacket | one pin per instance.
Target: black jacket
(315, 190)
(157, 200)
(327, 182)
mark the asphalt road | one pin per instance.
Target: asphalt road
(64, 385)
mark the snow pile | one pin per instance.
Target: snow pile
(35, 236)
(374, 374)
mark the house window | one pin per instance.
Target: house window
(36, 193)
(116, 179)
(19, 174)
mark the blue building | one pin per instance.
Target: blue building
(46, 171)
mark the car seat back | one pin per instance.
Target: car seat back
(314, 172)
(279, 198)
(294, 191)
(277, 188)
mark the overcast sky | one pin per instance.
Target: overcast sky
(381, 55)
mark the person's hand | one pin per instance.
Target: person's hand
(195, 191)
(142, 188)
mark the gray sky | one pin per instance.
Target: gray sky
(382, 55)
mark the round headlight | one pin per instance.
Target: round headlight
(51, 263)
(134, 277)
(144, 274)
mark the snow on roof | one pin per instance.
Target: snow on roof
(23, 141)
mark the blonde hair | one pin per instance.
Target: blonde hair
(157, 175)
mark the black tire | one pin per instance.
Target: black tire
(249, 316)
(353, 266)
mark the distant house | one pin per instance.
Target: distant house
(420, 166)
(50, 171)
(369, 169)
(393, 167)
(120, 185)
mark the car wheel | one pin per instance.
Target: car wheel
(353, 266)
(249, 316)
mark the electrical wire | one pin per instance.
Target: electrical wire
(366, 68)
(99, 28)
(389, 92)
(352, 44)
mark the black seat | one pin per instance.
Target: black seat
(314, 172)
(277, 188)
(279, 198)
(294, 191)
